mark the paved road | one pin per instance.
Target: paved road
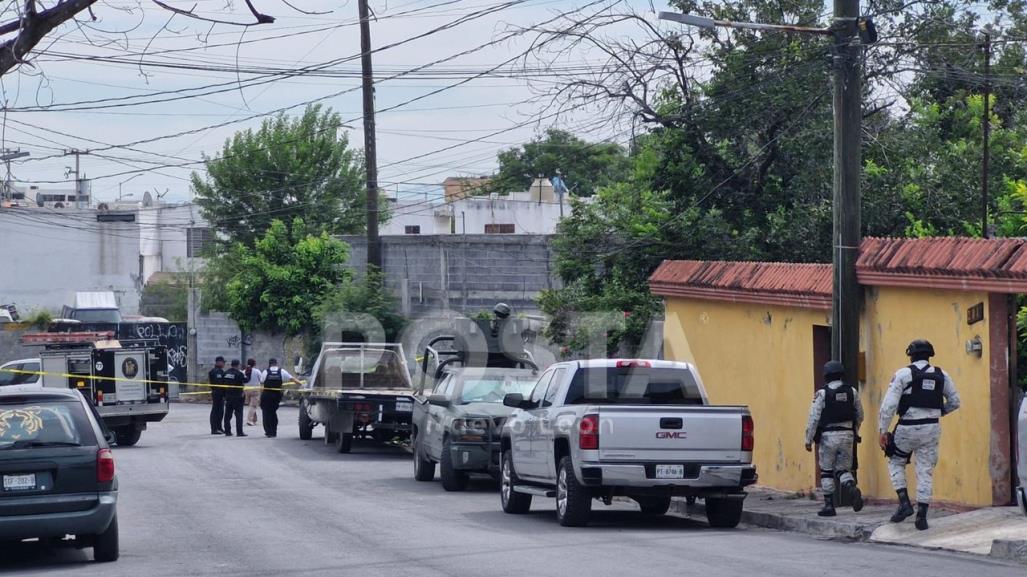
(192, 504)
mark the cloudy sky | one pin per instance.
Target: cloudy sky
(124, 78)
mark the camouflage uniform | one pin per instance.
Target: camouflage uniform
(921, 441)
(835, 448)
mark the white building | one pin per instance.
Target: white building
(534, 211)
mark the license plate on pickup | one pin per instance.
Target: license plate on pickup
(404, 407)
(670, 471)
(20, 482)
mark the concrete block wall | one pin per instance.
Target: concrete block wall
(216, 335)
(466, 273)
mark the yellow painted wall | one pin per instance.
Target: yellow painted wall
(895, 316)
(762, 356)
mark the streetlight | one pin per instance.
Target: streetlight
(846, 27)
(120, 196)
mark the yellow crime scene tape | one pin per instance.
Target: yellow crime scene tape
(149, 381)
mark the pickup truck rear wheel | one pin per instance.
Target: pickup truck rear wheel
(424, 470)
(127, 436)
(514, 503)
(724, 513)
(306, 425)
(654, 505)
(573, 502)
(452, 479)
(344, 442)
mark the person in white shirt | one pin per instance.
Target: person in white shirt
(252, 393)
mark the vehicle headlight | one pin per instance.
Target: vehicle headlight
(470, 429)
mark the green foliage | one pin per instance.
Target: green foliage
(39, 319)
(291, 167)
(369, 295)
(278, 283)
(585, 166)
(165, 299)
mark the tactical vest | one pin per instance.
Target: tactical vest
(273, 380)
(839, 405)
(926, 390)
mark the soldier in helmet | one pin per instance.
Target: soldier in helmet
(834, 420)
(921, 394)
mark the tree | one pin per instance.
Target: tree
(291, 167)
(583, 166)
(26, 26)
(366, 294)
(165, 299)
(279, 283)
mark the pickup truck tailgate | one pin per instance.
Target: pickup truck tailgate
(671, 434)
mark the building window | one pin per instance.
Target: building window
(499, 229)
(412, 229)
(197, 240)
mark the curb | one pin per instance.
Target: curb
(849, 531)
(1009, 550)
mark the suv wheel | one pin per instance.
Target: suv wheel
(513, 502)
(343, 442)
(306, 425)
(724, 513)
(452, 479)
(105, 545)
(573, 502)
(424, 469)
(654, 505)
(127, 436)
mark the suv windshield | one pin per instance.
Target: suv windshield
(97, 315)
(491, 388)
(633, 386)
(44, 423)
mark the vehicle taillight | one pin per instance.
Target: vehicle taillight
(748, 434)
(99, 398)
(104, 466)
(632, 364)
(588, 432)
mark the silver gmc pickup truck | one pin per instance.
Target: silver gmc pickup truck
(642, 429)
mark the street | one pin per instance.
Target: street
(193, 504)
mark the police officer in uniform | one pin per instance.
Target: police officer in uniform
(271, 396)
(216, 378)
(921, 394)
(834, 420)
(235, 381)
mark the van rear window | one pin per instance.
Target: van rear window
(633, 386)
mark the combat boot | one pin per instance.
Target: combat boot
(855, 495)
(828, 510)
(905, 509)
(921, 516)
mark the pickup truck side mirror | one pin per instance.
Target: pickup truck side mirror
(439, 400)
(517, 401)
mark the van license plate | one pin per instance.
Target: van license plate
(19, 482)
(670, 471)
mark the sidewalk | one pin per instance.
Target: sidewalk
(967, 532)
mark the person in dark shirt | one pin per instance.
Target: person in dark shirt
(235, 380)
(216, 378)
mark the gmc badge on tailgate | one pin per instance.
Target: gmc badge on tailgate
(671, 435)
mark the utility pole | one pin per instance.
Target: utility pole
(7, 155)
(78, 176)
(374, 255)
(847, 195)
(846, 27)
(986, 133)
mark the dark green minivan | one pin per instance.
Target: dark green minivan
(56, 471)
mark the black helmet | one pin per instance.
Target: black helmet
(920, 348)
(833, 370)
(501, 310)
